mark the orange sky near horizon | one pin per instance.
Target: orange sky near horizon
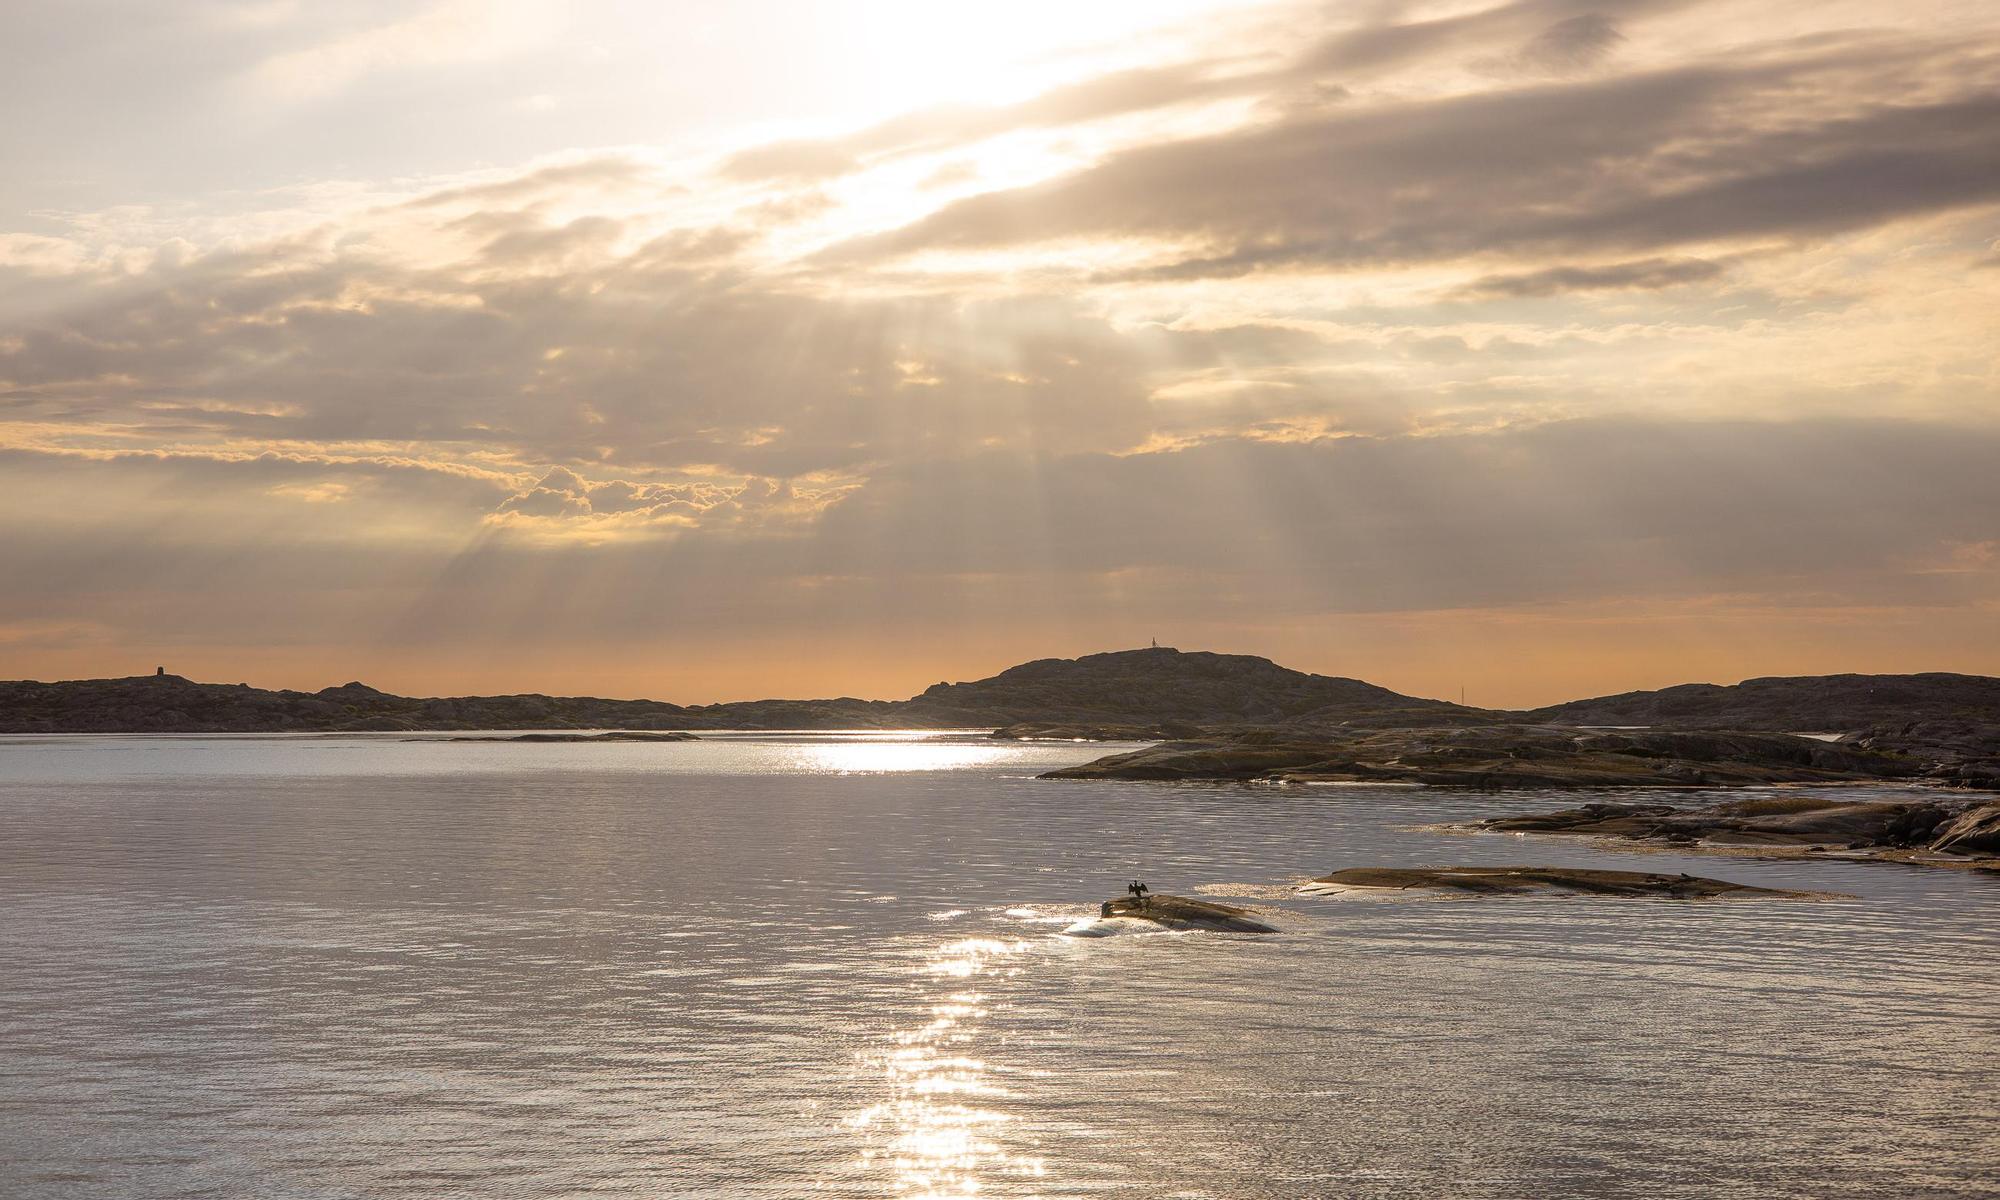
(1498, 659)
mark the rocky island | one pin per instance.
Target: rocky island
(1167, 912)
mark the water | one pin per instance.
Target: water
(824, 967)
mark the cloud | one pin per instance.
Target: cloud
(445, 31)
(1586, 510)
(560, 493)
(566, 505)
(1564, 27)
(1550, 281)
(1254, 343)
(40, 255)
(544, 342)
(1116, 94)
(1572, 44)
(389, 477)
(1810, 144)
(1819, 513)
(592, 174)
(799, 159)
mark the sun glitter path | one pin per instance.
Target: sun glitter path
(935, 1137)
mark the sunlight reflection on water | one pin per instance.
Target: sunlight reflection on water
(935, 1138)
(866, 758)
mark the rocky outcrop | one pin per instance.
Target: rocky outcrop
(1795, 703)
(1976, 831)
(1506, 756)
(1521, 881)
(1035, 731)
(1169, 912)
(620, 735)
(1229, 759)
(1946, 831)
(1760, 821)
(1958, 752)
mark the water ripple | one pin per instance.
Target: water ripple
(824, 966)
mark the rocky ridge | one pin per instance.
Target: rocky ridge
(1497, 756)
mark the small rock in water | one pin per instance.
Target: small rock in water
(1170, 912)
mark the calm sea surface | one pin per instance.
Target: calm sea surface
(825, 966)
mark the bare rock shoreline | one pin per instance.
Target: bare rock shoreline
(616, 735)
(1507, 756)
(1521, 881)
(1946, 832)
(1154, 913)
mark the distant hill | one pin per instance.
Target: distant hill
(1152, 687)
(171, 704)
(1151, 692)
(1162, 685)
(1794, 703)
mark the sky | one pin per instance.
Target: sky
(1522, 350)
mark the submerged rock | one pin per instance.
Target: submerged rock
(1168, 912)
(1515, 881)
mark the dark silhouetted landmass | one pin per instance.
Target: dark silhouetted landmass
(1949, 723)
(1793, 704)
(1149, 687)
(1174, 912)
(1934, 728)
(620, 735)
(171, 704)
(1140, 692)
(1525, 881)
(1072, 731)
(1946, 831)
(1232, 717)
(1497, 756)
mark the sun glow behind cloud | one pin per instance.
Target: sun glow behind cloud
(910, 55)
